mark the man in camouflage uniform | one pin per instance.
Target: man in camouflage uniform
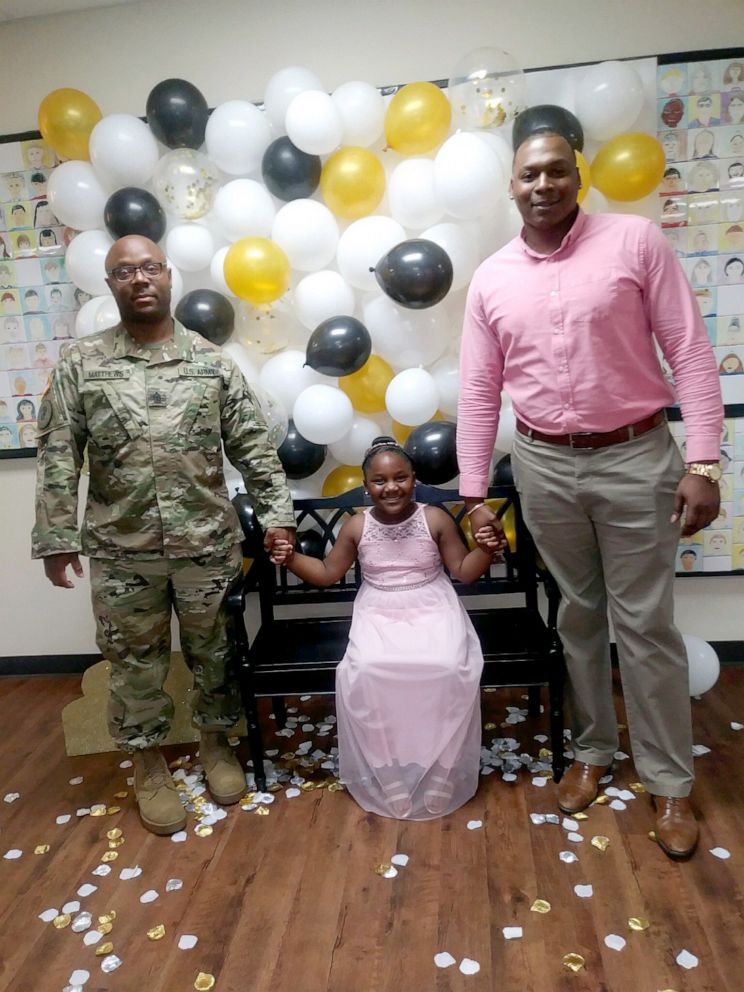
(151, 401)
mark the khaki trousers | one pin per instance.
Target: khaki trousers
(132, 603)
(600, 519)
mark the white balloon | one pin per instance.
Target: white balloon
(704, 666)
(243, 208)
(237, 135)
(498, 225)
(507, 427)
(191, 246)
(595, 203)
(77, 196)
(362, 110)
(405, 337)
(350, 449)
(313, 123)
(609, 99)
(177, 288)
(123, 150)
(501, 148)
(107, 313)
(467, 175)
(285, 376)
(462, 244)
(323, 414)
(363, 244)
(86, 261)
(242, 359)
(411, 194)
(283, 87)
(446, 375)
(85, 319)
(307, 232)
(412, 397)
(322, 295)
(217, 271)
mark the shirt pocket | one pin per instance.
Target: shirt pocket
(111, 426)
(590, 297)
(200, 421)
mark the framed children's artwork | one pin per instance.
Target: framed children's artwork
(38, 301)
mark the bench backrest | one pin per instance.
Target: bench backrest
(519, 573)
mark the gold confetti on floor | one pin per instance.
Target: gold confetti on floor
(637, 787)
(601, 801)
(41, 849)
(382, 868)
(262, 811)
(540, 906)
(203, 830)
(600, 842)
(580, 816)
(61, 921)
(638, 923)
(114, 834)
(204, 982)
(156, 933)
(574, 962)
(103, 949)
(109, 856)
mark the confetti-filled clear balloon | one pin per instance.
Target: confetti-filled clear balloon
(487, 89)
(186, 182)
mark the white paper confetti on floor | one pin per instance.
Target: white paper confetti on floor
(687, 960)
(149, 896)
(584, 891)
(444, 960)
(474, 824)
(401, 860)
(186, 941)
(614, 942)
(512, 933)
(469, 967)
(720, 852)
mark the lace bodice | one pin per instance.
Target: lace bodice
(398, 556)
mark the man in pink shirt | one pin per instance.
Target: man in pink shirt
(564, 317)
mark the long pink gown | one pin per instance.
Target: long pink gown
(407, 689)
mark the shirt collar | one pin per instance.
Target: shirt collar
(176, 347)
(569, 238)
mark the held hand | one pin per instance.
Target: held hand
(485, 519)
(55, 568)
(699, 500)
(274, 534)
(281, 553)
(490, 540)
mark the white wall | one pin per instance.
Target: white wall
(229, 48)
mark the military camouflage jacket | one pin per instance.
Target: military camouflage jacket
(152, 420)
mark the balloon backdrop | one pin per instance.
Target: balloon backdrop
(123, 150)
(417, 119)
(431, 448)
(362, 111)
(628, 167)
(208, 313)
(312, 543)
(134, 211)
(366, 388)
(66, 120)
(323, 414)
(548, 117)
(487, 89)
(411, 396)
(352, 182)
(257, 270)
(177, 114)
(416, 273)
(77, 196)
(609, 99)
(339, 346)
(300, 458)
(342, 479)
(236, 136)
(186, 181)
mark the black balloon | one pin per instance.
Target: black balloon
(431, 448)
(312, 543)
(416, 273)
(207, 312)
(548, 117)
(300, 457)
(339, 346)
(502, 473)
(134, 211)
(177, 114)
(289, 173)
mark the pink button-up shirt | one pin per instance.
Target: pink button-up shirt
(571, 338)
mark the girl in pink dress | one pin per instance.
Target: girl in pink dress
(407, 689)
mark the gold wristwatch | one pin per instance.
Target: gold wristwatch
(709, 470)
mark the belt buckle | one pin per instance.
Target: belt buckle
(580, 434)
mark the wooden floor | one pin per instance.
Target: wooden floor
(290, 901)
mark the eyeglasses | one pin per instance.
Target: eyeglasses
(125, 273)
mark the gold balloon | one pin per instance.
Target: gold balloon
(401, 432)
(584, 175)
(342, 479)
(257, 270)
(628, 167)
(366, 387)
(417, 119)
(352, 182)
(66, 118)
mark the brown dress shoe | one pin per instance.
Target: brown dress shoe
(676, 828)
(579, 786)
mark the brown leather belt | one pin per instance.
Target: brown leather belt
(597, 439)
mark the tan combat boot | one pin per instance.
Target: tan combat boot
(225, 777)
(159, 804)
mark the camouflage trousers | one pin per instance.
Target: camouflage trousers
(132, 604)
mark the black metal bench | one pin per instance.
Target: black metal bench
(297, 655)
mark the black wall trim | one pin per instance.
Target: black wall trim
(47, 664)
(729, 652)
